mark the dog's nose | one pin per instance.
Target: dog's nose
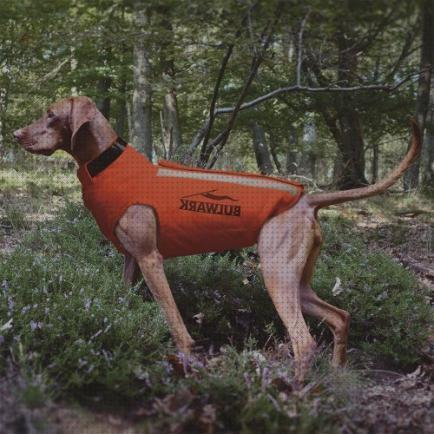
(18, 134)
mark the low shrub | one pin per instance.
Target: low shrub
(390, 312)
(223, 302)
(65, 312)
(246, 391)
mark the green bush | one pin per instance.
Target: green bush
(65, 312)
(222, 302)
(247, 392)
(68, 313)
(390, 312)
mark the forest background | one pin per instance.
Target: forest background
(319, 91)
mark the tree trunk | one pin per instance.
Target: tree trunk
(142, 94)
(352, 150)
(261, 150)
(103, 99)
(171, 131)
(121, 118)
(411, 177)
(350, 142)
(342, 118)
(291, 156)
(428, 154)
(308, 158)
(375, 154)
(2, 112)
(273, 150)
(129, 119)
(73, 66)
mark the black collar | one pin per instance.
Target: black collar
(106, 158)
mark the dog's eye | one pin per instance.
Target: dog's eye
(50, 114)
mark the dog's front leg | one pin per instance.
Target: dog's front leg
(151, 266)
(137, 231)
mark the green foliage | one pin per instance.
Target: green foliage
(40, 43)
(65, 311)
(221, 301)
(15, 218)
(69, 314)
(243, 392)
(71, 326)
(390, 313)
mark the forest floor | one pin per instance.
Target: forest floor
(398, 225)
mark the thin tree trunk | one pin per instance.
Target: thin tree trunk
(375, 154)
(142, 94)
(352, 149)
(428, 154)
(273, 150)
(129, 119)
(122, 111)
(338, 168)
(3, 94)
(411, 177)
(103, 100)
(308, 160)
(261, 150)
(73, 67)
(171, 130)
(291, 155)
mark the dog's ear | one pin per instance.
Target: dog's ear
(83, 111)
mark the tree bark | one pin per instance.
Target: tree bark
(273, 151)
(375, 155)
(350, 141)
(261, 150)
(428, 154)
(171, 131)
(103, 100)
(291, 155)
(121, 119)
(351, 148)
(73, 66)
(142, 94)
(411, 177)
(341, 116)
(308, 158)
(3, 94)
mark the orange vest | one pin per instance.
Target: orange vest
(198, 210)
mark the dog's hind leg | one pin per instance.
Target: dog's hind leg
(131, 271)
(284, 244)
(336, 319)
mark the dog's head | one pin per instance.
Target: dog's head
(65, 123)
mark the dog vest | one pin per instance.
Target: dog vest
(197, 210)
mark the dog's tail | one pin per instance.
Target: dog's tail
(321, 200)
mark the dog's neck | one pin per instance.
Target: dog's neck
(93, 140)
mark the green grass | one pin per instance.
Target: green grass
(14, 217)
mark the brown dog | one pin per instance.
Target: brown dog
(288, 244)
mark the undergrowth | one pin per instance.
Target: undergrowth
(67, 319)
